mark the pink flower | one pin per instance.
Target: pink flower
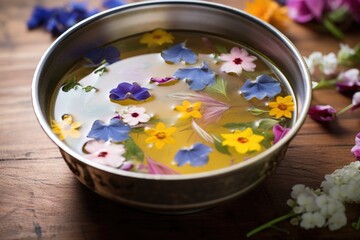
(158, 168)
(106, 153)
(355, 101)
(349, 81)
(279, 132)
(322, 113)
(356, 149)
(237, 60)
(306, 10)
(135, 115)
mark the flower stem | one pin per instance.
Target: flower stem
(333, 29)
(345, 109)
(356, 225)
(270, 223)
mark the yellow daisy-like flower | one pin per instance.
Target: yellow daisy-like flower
(282, 107)
(243, 141)
(189, 110)
(157, 37)
(269, 11)
(66, 128)
(160, 135)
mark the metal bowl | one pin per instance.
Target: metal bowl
(171, 193)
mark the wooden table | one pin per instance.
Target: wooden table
(41, 199)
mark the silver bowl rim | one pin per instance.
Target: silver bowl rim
(276, 147)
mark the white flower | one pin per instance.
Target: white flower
(328, 205)
(135, 115)
(337, 220)
(312, 220)
(329, 64)
(313, 60)
(345, 52)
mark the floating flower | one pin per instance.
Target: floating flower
(279, 132)
(109, 54)
(157, 37)
(106, 153)
(269, 11)
(179, 53)
(66, 128)
(348, 81)
(129, 91)
(163, 81)
(197, 77)
(263, 86)
(160, 135)
(189, 110)
(115, 131)
(135, 115)
(212, 109)
(158, 168)
(282, 107)
(322, 113)
(356, 149)
(237, 60)
(243, 141)
(197, 155)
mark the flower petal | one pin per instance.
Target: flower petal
(115, 131)
(263, 86)
(179, 53)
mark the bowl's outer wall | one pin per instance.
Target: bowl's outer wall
(156, 194)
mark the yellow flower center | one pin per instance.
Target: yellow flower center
(160, 135)
(157, 36)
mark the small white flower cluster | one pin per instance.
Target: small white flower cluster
(325, 207)
(327, 63)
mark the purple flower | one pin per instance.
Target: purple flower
(353, 7)
(197, 155)
(322, 113)
(58, 20)
(197, 77)
(115, 131)
(306, 10)
(348, 81)
(355, 101)
(356, 149)
(279, 132)
(129, 91)
(112, 3)
(109, 54)
(263, 86)
(158, 168)
(179, 53)
(163, 81)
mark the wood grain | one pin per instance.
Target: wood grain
(41, 199)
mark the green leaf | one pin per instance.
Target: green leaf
(219, 86)
(256, 111)
(339, 14)
(221, 49)
(133, 152)
(324, 84)
(89, 88)
(71, 84)
(239, 125)
(333, 29)
(221, 148)
(101, 70)
(267, 123)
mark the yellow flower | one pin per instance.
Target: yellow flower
(269, 11)
(282, 107)
(189, 110)
(66, 128)
(243, 141)
(158, 37)
(160, 135)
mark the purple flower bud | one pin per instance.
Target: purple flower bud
(356, 149)
(348, 81)
(355, 101)
(279, 132)
(322, 113)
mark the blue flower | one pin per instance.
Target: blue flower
(178, 53)
(96, 57)
(129, 91)
(115, 131)
(112, 3)
(263, 86)
(198, 155)
(197, 77)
